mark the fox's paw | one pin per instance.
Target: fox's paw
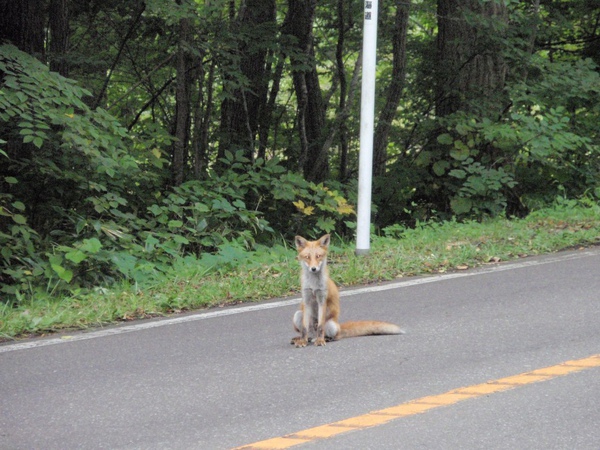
(320, 342)
(299, 342)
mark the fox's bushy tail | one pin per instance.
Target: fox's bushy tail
(367, 328)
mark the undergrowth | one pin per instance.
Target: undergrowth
(236, 275)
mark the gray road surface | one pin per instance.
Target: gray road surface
(229, 377)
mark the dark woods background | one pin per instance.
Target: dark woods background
(133, 133)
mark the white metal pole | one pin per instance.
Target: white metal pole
(367, 112)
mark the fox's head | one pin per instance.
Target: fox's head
(313, 254)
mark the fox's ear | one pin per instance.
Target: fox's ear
(324, 241)
(300, 242)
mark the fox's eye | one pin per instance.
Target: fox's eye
(319, 256)
(307, 257)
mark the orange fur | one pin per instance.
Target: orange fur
(320, 306)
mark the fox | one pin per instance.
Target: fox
(320, 305)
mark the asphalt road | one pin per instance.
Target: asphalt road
(229, 377)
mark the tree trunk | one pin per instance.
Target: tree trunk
(59, 36)
(100, 96)
(471, 70)
(339, 125)
(240, 114)
(202, 123)
(394, 90)
(266, 117)
(22, 23)
(341, 69)
(310, 116)
(182, 104)
(471, 73)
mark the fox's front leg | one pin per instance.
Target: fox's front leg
(322, 315)
(302, 319)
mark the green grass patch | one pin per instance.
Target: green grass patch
(242, 276)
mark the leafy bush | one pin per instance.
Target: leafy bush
(480, 181)
(77, 210)
(544, 145)
(556, 113)
(66, 171)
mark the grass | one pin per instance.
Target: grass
(272, 272)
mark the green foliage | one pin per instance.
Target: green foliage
(109, 232)
(200, 215)
(65, 167)
(557, 112)
(479, 183)
(327, 207)
(87, 203)
(546, 143)
(234, 273)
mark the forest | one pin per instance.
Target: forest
(138, 133)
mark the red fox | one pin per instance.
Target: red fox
(320, 305)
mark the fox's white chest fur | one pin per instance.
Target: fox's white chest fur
(314, 283)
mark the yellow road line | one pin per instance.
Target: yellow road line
(423, 404)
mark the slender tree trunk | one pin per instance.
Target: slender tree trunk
(341, 69)
(182, 106)
(533, 31)
(241, 113)
(59, 36)
(101, 94)
(266, 117)
(198, 159)
(339, 125)
(202, 123)
(395, 88)
(311, 114)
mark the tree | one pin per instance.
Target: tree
(22, 24)
(471, 70)
(298, 26)
(59, 36)
(255, 33)
(182, 101)
(394, 89)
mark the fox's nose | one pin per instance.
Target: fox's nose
(313, 269)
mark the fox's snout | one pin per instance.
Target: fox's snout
(312, 266)
(311, 263)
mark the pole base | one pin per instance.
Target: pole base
(361, 251)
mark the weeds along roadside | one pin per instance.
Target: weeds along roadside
(272, 271)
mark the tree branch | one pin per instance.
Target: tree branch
(116, 60)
